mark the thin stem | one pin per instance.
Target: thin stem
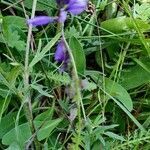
(76, 78)
(102, 66)
(27, 97)
(77, 89)
(10, 4)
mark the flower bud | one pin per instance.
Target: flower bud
(41, 20)
(76, 7)
(61, 54)
(62, 16)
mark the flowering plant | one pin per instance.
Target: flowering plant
(63, 52)
(74, 7)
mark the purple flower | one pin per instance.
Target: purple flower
(75, 7)
(61, 54)
(62, 16)
(41, 20)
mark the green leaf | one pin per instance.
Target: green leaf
(8, 79)
(46, 128)
(16, 42)
(59, 78)
(114, 136)
(126, 111)
(13, 74)
(14, 146)
(140, 63)
(97, 77)
(7, 123)
(39, 88)
(14, 20)
(142, 11)
(40, 55)
(19, 134)
(113, 88)
(47, 115)
(41, 5)
(4, 103)
(72, 31)
(117, 91)
(12, 29)
(78, 54)
(137, 75)
(123, 24)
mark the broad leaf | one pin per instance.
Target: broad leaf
(7, 123)
(113, 88)
(123, 24)
(78, 54)
(19, 134)
(12, 27)
(117, 91)
(137, 75)
(45, 128)
(47, 115)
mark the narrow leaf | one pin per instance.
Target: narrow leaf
(40, 55)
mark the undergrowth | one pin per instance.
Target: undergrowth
(99, 99)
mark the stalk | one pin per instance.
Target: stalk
(78, 95)
(27, 96)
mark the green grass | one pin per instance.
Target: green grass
(102, 99)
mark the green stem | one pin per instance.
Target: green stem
(78, 95)
(27, 96)
(11, 5)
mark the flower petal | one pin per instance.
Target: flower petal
(41, 20)
(62, 16)
(77, 6)
(61, 52)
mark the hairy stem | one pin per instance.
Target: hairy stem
(27, 96)
(78, 95)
